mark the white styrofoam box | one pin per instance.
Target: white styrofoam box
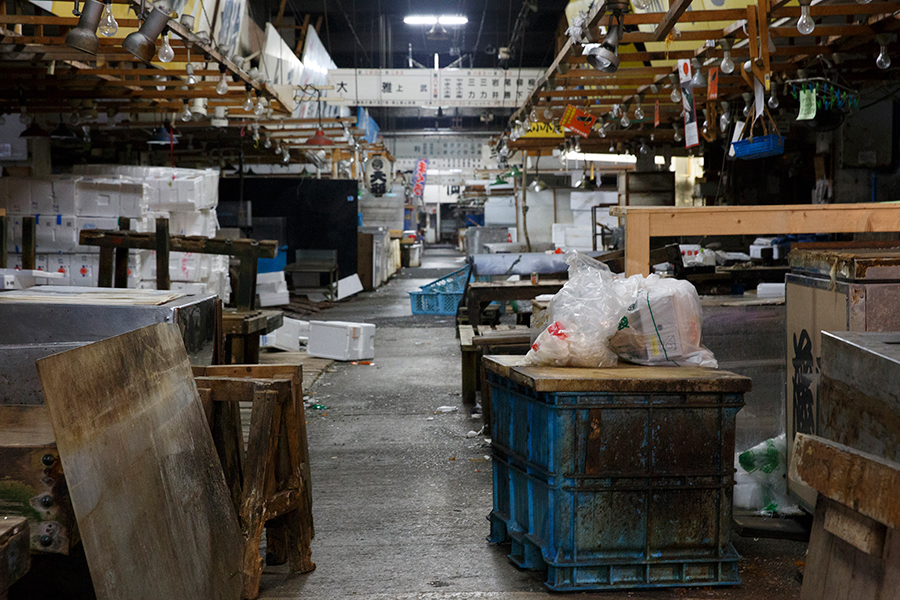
(64, 194)
(93, 223)
(19, 196)
(200, 222)
(44, 233)
(770, 290)
(279, 298)
(582, 218)
(267, 340)
(60, 263)
(558, 234)
(778, 251)
(341, 340)
(190, 287)
(290, 332)
(14, 234)
(147, 265)
(84, 269)
(41, 196)
(271, 283)
(133, 199)
(98, 197)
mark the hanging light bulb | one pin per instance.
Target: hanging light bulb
(533, 115)
(186, 114)
(625, 122)
(287, 156)
(747, 99)
(256, 133)
(268, 143)
(678, 137)
(705, 128)
(612, 148)
(108, 24)
(863, 1)
(548, 114)
(615, 112)
(773, 99)
(645, 149)
(191, 80)
(260, 108)
(641, 4)
(805, 24)
(166, 54)
(577, 146)
(698, 80)
(162, 80)
(602, 130)
(884, 59)
(638, 112)
(222, 86)
(248, 102)
(727, 65)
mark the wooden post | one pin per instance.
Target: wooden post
(28, 241)
(246, 293)
(637, 244)
(122, 257)
(162, 255)
(105, 273)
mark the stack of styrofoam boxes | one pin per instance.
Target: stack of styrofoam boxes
(579, 235)
(188, 198)
(272, 289)
(62, 207)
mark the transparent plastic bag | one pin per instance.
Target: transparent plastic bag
(759, 478)
(583, 315)
(662, 326)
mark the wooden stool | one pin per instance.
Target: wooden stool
(475, 342)
(270, 482)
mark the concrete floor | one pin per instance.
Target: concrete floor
(401, 494)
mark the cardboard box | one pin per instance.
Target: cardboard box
(341, 340)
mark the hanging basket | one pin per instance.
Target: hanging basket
(761, 146)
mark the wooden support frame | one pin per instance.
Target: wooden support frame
(676, 9)
(270, 483)
(642, 223)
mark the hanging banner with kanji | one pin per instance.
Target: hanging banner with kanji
(656, 115)
(577, 121)
(691, 133)
(419, 177)
(713, 79)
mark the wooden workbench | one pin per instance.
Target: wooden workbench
(481, 293)
(642, 223)
(474, 342)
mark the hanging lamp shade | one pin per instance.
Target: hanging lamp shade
(62, 132)
(34, 130)
(84, 36)
(538, 185)
(319, 139)
(162, 136)
(142, 43)
(499, 181)
(514, 172)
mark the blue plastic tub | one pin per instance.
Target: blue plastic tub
(454, 282)
(760, 147)
(615, 490)
(435, 303)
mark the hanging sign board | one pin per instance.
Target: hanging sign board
(419, 177)
(691, 133)
(713, 79)
(656, 115)
(378, 169)
(577, 121)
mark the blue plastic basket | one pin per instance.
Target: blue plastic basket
(454, 282)
(759, 147)
(435, 303)
(633, 515)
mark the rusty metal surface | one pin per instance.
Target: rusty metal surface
(19, 383)
(859, 405)
(858, 264)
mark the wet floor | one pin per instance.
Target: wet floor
(401, 494)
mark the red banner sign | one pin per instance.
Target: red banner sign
(419, 180)
(577, 121)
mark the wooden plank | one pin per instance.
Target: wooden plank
(855, 529)
(865, 482)
(747, 220)
(622, 378)
(28, 243)
(676, 9)
(121, 269)
(818, 558)
(161, 245)
(152, 505)
(466, 335)
(3, 242)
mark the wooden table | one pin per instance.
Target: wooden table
(642, 223)
(482, 293)
(474, 342)
(244, 328)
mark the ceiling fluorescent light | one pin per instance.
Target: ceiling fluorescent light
(420, 20)
(453, 20)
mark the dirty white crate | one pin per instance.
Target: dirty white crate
(341, 340)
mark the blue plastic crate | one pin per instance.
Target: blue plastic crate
(759, 147)
(454, 282)
(615, 490)
(435, 303)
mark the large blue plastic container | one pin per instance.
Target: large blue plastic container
(615, 478)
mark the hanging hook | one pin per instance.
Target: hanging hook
(76, 11)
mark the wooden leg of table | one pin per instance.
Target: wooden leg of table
(264, 432)
(469, 373)
(637, 244)
(251, 349)
(105, 272)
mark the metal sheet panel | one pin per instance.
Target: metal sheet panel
(19, 383)
(857, 264)
(859, 391)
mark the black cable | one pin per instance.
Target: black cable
(353, 31)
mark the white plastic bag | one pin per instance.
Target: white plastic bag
(583, 315)
(662, 326)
